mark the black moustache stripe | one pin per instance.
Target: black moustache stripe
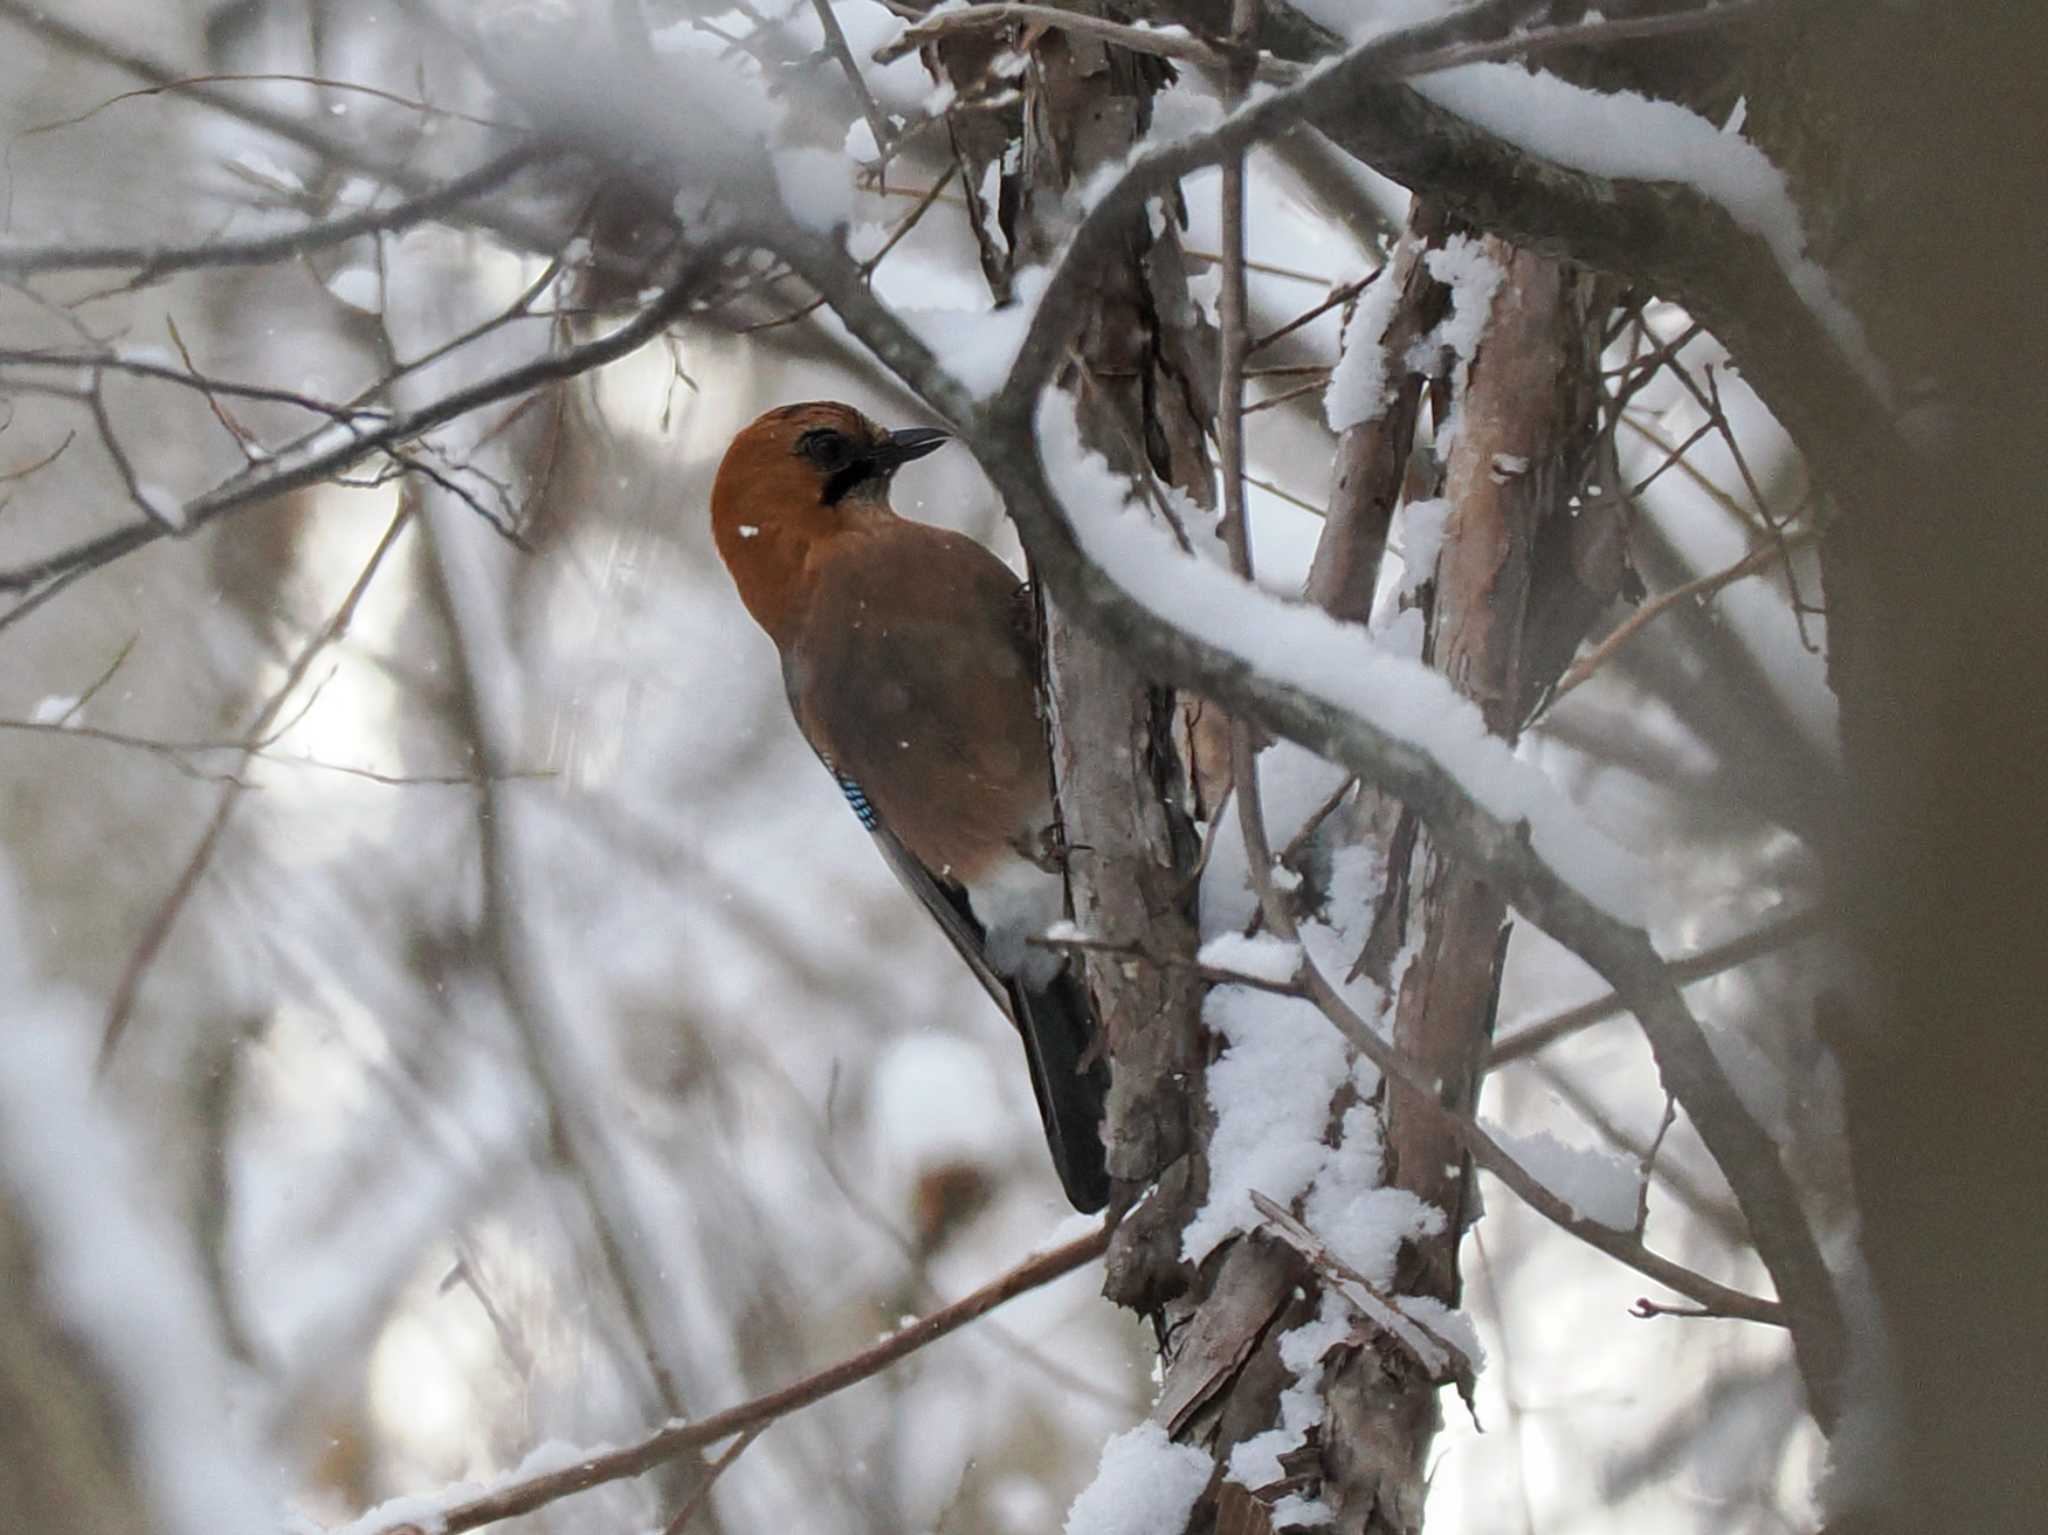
(858, 472)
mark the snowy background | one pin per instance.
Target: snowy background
(410, 1103)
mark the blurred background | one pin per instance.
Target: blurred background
(626, 1084)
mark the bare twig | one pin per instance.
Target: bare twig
(122, 1006)
(835, 43)
(1530, 1038)
(1161, 42)
(49, 458)
(334, 450)
(1648, 1168)
(180, 753)
(712, 1473)
(335, 148)
(1751, 563)
(904, 225)
(1440, 1358)
(269, 77)
(666, 1444)
(1337, 299)
(242, 438)
(153, 261)
(1489, 1154)
(1233, 313)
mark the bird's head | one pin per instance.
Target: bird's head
(820, 454)
(798, 474)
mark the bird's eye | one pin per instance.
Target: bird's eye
(829, 450)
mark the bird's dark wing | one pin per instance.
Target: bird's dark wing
(1054, 1021)
(1058, 1026)
(946, 901)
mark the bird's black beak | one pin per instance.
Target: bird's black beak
(912, 442)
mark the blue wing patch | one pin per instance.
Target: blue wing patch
(859, 800)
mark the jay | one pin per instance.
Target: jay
(909, 655)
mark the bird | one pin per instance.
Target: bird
(910, 660)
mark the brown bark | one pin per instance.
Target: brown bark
(1528, 426)
(1372, 457)
(1117, 760)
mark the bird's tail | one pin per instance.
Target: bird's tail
(1058, 1026)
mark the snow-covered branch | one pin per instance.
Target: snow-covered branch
(1300, 675)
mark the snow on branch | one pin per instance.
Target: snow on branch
(1146, 1484)
(1168, 627)
(1624, 136)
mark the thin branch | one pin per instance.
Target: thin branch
(335, 148)
(1705, 586)
(158, 516)
(1315, 386)
(1161, 42)
(144, 367)
(1647, 1169)
(269, 77)
(522, 1497)
(1338, 298)
(178, 753)
(49, 458)
(244, 440)
(1488, 1153)
(153, 261)
(712, 1473)
(1530, 1038)
(835, 43)
(154, 934)
(1233, 315)
(904, 225)
(106, 676)
(333, 450)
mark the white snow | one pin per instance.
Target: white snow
(1363, 1221)
(978, 346)
(1358, 386)
(161, 504)
(1265, 956)
(1462, 265)
(816, 186)
(1271, 1088)
(1255, 1463)
(1626, 136)
(1302, 647)
(1422, 540)
(1145, 1485)
(1598, 1184)
(1474, 278)
(358, 287)
(146, 356)
(860, 141)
